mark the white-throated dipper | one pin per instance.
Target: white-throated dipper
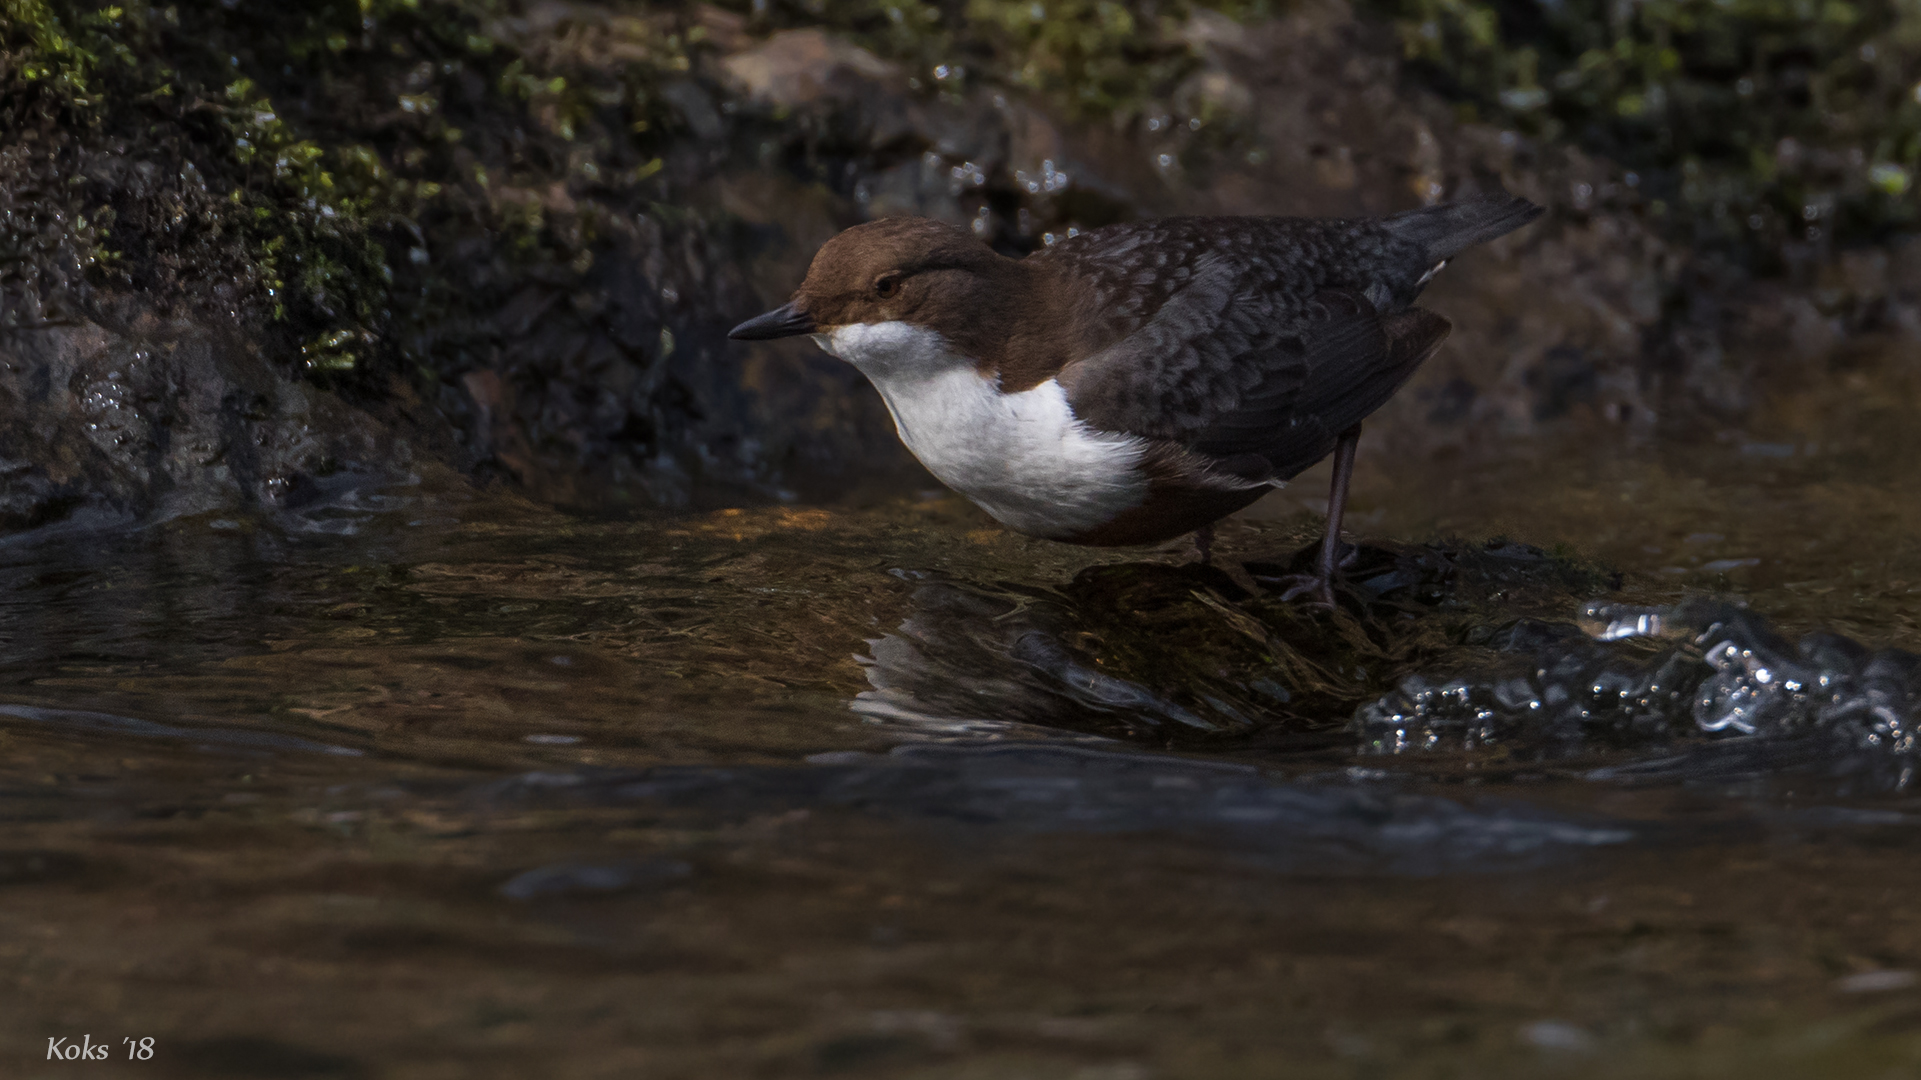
(1137, 381)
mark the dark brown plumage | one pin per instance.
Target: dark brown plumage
(1237, 351)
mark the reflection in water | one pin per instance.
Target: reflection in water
(971, 661)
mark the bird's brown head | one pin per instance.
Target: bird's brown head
(896, 269)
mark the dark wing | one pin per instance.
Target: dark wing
(1355, 361)
(1258, 372)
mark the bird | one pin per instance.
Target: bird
(1139, 381)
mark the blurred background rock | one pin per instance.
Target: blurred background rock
(257, 255)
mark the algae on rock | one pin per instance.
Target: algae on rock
(1773, 130)
(386, 196)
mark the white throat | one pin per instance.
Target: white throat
(1025, 458)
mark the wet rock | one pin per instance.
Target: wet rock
(1214, 95)
(158, 419)
(697, 108)
(798, 68)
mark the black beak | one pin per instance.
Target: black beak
(784, 321)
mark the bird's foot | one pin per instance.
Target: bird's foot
(1316, 590)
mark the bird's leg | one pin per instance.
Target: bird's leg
(1321, 585)
(1337, 504)
(1204, 542)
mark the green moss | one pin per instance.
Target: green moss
(1095, 55)
(306, 157)
(1099, 58)
(51, 62)
(1757, 126)
(49, 237)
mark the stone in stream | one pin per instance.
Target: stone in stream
(1438, 653)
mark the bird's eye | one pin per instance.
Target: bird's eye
(886, 285)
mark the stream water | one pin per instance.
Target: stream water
(1603, 769)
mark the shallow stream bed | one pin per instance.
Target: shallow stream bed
(420, 783)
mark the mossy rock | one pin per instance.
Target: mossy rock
(1767, 129)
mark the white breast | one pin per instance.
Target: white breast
(1024, 458)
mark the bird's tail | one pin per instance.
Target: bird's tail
(1446, 230)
